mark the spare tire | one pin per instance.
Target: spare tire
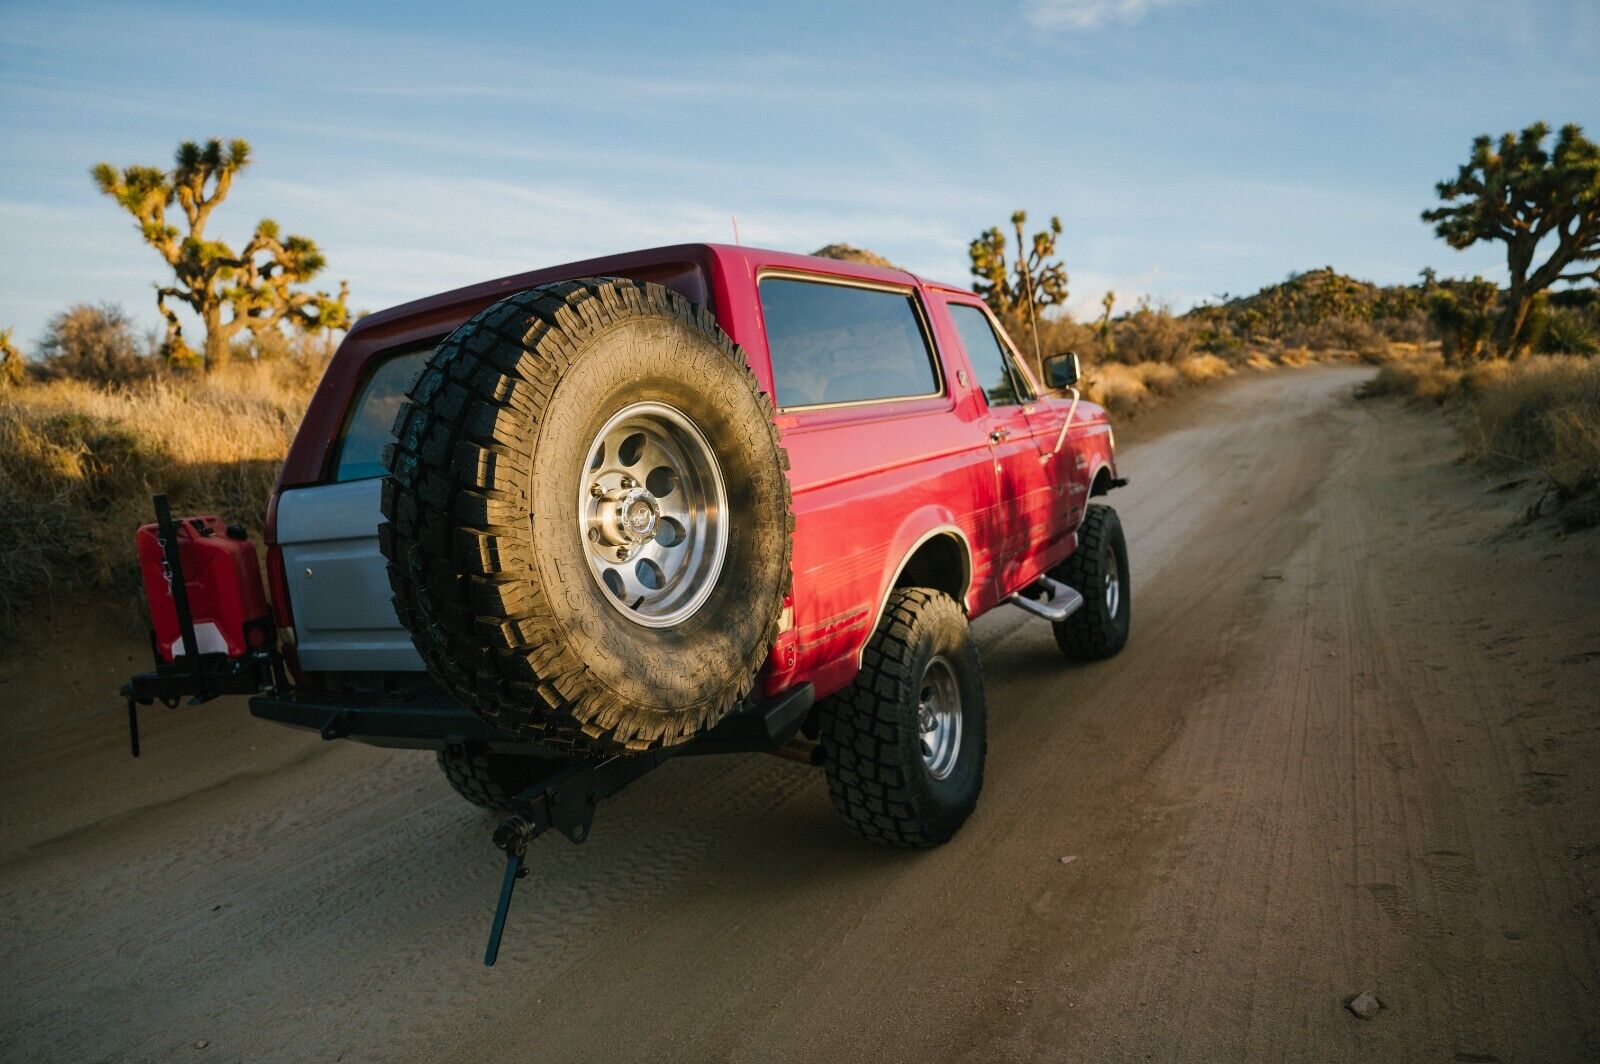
(588, 522)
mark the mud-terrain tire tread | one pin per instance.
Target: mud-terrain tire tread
(489, 780)
(876, 788)
(1089, 634)
(458, 538)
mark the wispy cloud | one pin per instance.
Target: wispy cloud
(1087, 14)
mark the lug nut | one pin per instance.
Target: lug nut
(622, 554)
(627, 481)
(594, 535)
(596, 490)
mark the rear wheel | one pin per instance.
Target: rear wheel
(904, 744)
(1098, 570)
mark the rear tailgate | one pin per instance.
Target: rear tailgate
(344, 620)
(328, 533)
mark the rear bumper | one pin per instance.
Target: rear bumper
(435, 721)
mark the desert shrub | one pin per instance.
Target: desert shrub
(1410, 329)
(1116, 387)
(1462, 312)
(13, 370)
(1153, 334)
(1057, 335)
(1203, 368)
(1160, 378)
(1568, 332)
(280, 346)
(1542, 412)
(1125, 389)
(1424, 377)
(1218, 340)
(1339, 334)
(95, 343)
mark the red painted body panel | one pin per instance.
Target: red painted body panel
(871, 482)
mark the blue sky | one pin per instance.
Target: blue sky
(1191, 147)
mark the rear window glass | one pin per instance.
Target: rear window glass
(834, 343)
(371, 421)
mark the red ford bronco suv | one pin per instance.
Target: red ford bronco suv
(563, 525)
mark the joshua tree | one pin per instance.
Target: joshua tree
(1019, 291)
(12, 371)
(1521, 194)
(254, 289)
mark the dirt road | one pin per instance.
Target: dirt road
(1352, 746)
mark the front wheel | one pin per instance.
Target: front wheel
(904, 743)
(1099, 572)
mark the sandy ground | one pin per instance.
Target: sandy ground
(1351, 747)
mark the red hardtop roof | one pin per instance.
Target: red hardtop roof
(708, 257)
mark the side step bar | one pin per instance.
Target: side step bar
(1062, 603)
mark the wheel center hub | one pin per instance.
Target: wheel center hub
(639, 516)
(627, 517)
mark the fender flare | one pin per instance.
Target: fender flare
(932, 521)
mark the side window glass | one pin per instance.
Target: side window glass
(370, 423)
(997, 375)
(838, 343)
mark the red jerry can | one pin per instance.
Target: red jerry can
(223, 576)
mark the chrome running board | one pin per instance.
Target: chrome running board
(1064, 601)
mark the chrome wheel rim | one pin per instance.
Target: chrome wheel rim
(939, 718)
(653, 514)
(1113, 589)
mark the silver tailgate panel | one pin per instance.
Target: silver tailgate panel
(338, 586)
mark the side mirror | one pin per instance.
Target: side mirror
(1062, 371)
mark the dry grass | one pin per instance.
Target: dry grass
(1202, 368)
(81, 461)
(1541, 413)
(1124, 389)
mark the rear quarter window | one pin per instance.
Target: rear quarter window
(370, 423)
(840, 343)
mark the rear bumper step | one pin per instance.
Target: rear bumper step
(434, 721)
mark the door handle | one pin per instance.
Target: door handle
(996, 435)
